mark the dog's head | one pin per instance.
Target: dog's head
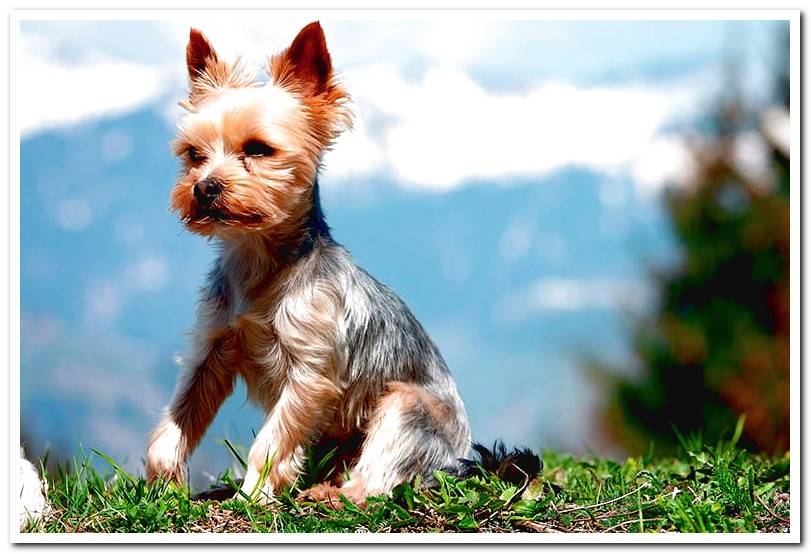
(250, 151)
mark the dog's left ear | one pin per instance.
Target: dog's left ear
(199, 53)
(309, 59)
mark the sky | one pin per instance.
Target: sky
(504, 177)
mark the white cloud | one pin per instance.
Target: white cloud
(421, 117)
(358, 154)
(52, 92)
(446, 129)
(556, 294)
(664, 160)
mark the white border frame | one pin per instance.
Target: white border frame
(793, 16)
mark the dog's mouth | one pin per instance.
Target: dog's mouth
(214, 215)
(208, 213)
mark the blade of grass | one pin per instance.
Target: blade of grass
(120, 470)
(236, 454)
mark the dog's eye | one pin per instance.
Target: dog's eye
(257, 149)
(194, 156)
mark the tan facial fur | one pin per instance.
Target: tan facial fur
(295, 114)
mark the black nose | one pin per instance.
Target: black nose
(207, 190)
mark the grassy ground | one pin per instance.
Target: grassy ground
(704, 489)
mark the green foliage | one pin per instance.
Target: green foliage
(704, 489)
(718, 345)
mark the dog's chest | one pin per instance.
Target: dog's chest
(259, 356)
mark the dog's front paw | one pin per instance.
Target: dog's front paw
(252, 489)
(164, 456)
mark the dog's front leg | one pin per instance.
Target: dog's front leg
(201, 390)
(309, 330)
(277, 454)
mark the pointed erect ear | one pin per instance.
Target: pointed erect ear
(309, 59)
(198, 53)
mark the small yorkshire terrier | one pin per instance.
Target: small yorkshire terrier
(333, 356)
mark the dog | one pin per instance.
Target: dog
(330, 354)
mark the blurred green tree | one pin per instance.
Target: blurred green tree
(718, 344)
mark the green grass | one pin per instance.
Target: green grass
(703, 489)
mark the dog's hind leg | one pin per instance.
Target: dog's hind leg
(411, 432)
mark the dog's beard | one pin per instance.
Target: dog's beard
(242, 207)
(216, 217)
(208, 214)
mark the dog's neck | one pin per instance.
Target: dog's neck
(315, 226)
(255, 258)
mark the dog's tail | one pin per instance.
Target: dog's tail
(517, 467)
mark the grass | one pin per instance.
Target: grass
(703, 489)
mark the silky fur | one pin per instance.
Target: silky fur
(328, 352)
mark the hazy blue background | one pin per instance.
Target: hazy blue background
(504, 177)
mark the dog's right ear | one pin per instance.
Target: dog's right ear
(199, 54)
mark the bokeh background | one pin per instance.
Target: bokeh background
(590, 218)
